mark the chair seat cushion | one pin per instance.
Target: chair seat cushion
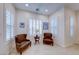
(48, 40)
(24, 44)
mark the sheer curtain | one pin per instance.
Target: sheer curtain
(35, 27)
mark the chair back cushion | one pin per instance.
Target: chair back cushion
(20, 38)
(48, 35)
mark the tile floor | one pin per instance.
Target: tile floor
(43, 49)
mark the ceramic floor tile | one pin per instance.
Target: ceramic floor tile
(42, 49)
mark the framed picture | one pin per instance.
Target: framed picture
(22, 25)
(45, 25)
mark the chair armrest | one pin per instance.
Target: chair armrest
(43, 38)
(27, 40)
(18, 45)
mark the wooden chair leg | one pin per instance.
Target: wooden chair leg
(52, 44)
(35, 41)
(38, 42)
(20, 53)
(30, 44)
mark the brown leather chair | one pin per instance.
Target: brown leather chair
(21, 42)
(48, 38)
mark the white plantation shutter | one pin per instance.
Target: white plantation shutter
(71, 25)
(9, 25)
(54, 25)
(34, 26)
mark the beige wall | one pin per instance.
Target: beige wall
(63, 38)
(24, 16)
(59, 39)
(77, 26)
(68, 39)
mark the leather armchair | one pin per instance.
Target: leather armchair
(48, 38)
(21, 42)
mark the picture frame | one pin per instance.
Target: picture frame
(45, 25)
(22, 25)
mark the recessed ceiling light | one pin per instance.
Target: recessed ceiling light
(26, 5)
(46, 10)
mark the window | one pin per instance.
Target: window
(9, 25)
(54, 25)
(71, 25)
(35, 27)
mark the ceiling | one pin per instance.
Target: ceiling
(51, 7)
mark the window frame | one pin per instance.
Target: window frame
(54, 25)
(71, 25)
(9, 24)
